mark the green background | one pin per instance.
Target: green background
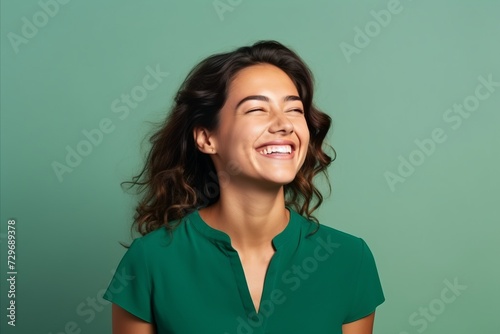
(440, 224)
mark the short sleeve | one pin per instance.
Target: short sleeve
(130, 287)
(368, 292)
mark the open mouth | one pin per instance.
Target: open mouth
(275, 150)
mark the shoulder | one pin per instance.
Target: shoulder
(320, 230)
(161, 238)
(345, 245)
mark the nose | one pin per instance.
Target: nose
(280, 123)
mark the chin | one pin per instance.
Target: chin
(282, 179)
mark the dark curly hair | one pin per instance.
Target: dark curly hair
(177, 178)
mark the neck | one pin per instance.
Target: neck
(250, 218)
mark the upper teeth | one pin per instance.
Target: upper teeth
(279, 149)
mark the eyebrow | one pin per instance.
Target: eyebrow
(266, 99)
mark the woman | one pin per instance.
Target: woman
(229, 243)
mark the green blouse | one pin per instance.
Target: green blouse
(194, 283)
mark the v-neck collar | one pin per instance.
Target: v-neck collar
(285, 243)
(289, 233)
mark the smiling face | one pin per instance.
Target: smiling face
(262, 128)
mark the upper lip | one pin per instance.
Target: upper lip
(278, 143)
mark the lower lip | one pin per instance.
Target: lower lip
(279, 156)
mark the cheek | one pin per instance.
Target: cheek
(302, 132)
(237, 138)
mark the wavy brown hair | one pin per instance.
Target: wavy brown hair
(177, 178)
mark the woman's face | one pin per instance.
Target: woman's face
(262, 129)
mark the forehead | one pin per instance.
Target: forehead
(261, 77)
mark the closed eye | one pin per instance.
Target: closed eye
(259, 109)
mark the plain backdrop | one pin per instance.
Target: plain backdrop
(413, 88)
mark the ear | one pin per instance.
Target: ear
(202, 140)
